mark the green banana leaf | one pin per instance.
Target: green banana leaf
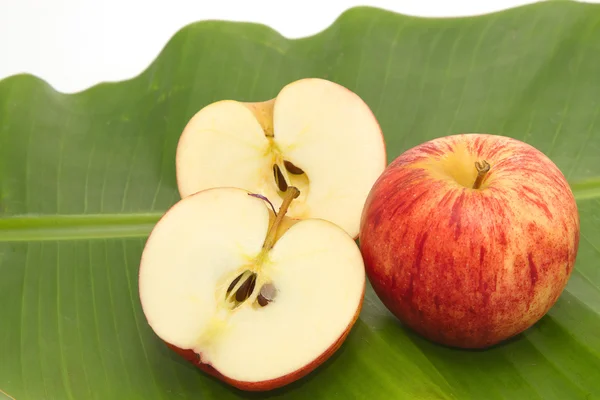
(85, 176)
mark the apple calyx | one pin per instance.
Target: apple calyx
(482, 169)
(242, 287)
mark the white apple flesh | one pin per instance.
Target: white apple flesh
(189, 291)
(315, 135)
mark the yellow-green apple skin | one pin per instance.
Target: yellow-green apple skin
(469, 267)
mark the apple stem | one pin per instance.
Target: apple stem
(291, 193)
(482, 170)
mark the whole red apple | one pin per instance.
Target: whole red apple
(470, 239)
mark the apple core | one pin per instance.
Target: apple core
(314, 135)
(243, 286)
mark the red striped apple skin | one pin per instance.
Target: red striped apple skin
(468, 267)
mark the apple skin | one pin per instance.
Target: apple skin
(263, 386)
(470, 268)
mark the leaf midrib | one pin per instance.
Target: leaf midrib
(76, 226)
(586, 189)
(21, 228)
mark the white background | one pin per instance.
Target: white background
(74, 44)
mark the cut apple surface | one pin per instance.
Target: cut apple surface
(315, 135)
(261, 299)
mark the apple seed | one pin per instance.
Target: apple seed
(246, 289)
(279, 179)
(233, 283)
(262, 301)
(291, 168)
(267, 294)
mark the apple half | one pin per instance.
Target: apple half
(254, 298)
(315, 135)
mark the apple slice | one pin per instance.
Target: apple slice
(315, 135)
(254, 299)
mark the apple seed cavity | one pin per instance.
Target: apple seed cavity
(291, 168)
(482, 170)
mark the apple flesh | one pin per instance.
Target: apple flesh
(255, 299)
(464, 264)
(315, 135)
